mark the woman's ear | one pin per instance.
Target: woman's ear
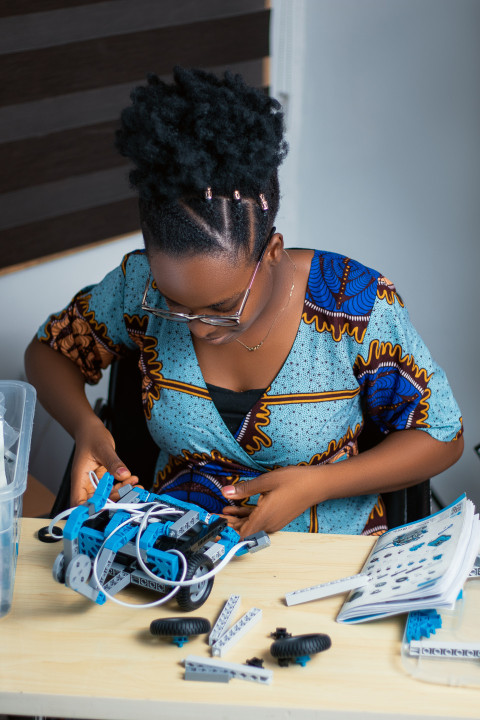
(275, 248)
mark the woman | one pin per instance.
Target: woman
(259, 364)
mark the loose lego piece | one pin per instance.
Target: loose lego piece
(224, 619)
(316, 592)
(211, 670)
(280, 633)
(180, 629)
(297, 648)
(233, 635)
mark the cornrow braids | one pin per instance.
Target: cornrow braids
(203, 132)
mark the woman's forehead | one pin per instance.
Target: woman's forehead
(200, 280)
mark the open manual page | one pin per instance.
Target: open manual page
(417, 566)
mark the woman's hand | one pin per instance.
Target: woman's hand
(95, 451)
(285, 494)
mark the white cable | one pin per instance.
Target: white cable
(182, 582)
(155, 603)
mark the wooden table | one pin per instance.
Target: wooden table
(63, 656)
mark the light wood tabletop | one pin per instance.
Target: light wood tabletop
(64, 656)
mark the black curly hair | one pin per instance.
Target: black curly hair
(203, 132)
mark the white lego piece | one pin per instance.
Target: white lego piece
(437, 648)
(224, 619)
(209, 666)
(233, 635)
(316, 592)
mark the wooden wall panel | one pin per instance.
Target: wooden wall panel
(63, 184)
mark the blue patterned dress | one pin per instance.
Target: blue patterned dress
(355, 353)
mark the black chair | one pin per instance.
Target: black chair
(124, 417)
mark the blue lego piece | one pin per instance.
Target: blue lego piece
(302, 660)
(90, 542)
(75, 522)
(120, 538)
(180, 640)
(422, 623)
(101, 494)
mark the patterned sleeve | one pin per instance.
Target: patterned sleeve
(401, 384)
(91, 330)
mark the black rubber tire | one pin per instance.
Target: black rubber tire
(180, 626)
(45, 536)
(190, 597)
(300, 645)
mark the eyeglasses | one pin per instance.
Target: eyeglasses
(225, 320)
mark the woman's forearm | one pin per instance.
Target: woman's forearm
(402, 459)
(60, 387)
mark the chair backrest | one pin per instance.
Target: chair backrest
(402, 506)
(125, 418)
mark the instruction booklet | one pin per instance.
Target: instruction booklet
(417, 566)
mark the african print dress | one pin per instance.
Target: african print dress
(355, 354)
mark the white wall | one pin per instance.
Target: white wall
(384, 126)
(27, 297)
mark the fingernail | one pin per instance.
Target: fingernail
(122, 471)
(228, 490)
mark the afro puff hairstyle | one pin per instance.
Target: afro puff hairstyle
(200, 132)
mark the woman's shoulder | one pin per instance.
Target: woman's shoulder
(134, 261)
(340, 293)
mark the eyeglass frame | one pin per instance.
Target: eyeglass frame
(218, 320)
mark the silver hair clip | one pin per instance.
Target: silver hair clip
(263, 202)
(236, 196)
(208, 193)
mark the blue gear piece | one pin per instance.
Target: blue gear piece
(422, 623)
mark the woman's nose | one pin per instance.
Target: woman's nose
(200, 329)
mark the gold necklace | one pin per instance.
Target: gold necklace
(256, 347)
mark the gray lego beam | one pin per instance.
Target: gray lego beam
(207, 666)
(184, 523)
(215, 552)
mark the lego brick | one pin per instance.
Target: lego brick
(436, 648)
(233, 635)
(316, 592)
(215, 552)
(183, 524)
(224, 619)
(194, 663)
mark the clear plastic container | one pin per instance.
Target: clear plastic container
(456, 661)
(17, 408)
